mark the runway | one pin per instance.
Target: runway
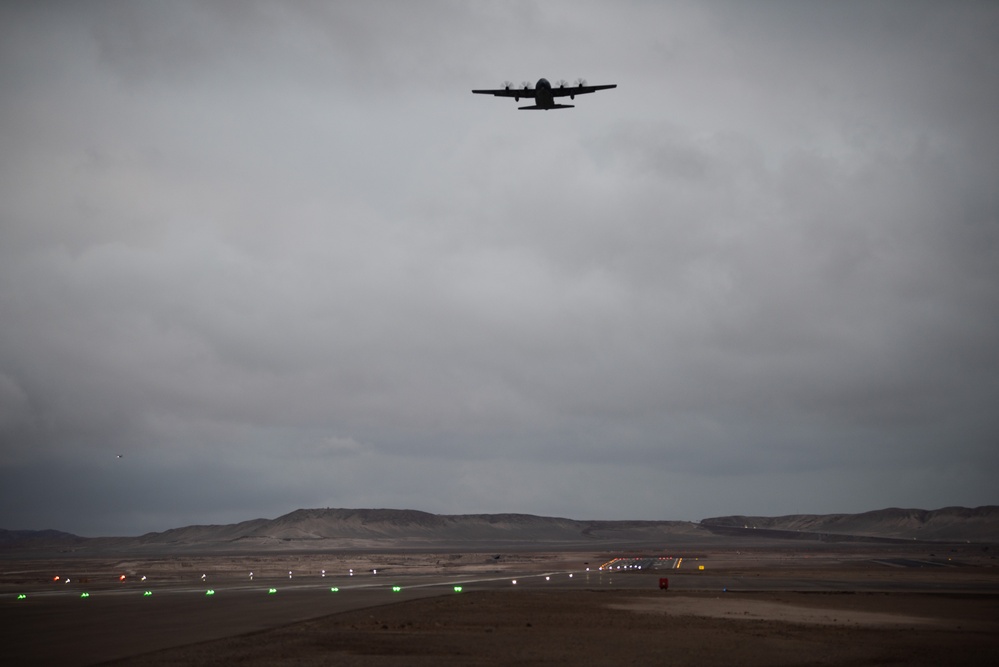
(57, 625)
(61, 627)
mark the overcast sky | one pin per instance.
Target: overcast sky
(278, 256)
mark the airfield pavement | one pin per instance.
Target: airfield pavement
(919, 605)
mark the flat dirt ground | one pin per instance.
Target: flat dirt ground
(746, 607)
(627, 628)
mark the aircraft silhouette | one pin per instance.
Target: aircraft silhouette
(544, 94)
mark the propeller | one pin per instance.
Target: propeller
(580, 82)
(507, 84)
(526, 85)
(562, 83)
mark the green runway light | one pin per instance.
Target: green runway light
(396, 589)
(22, 596)
(457, 589)
(84, 595)
(147, 594)
(271, 591)
(334, 590)
(210, 591)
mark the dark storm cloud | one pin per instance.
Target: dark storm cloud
(279, 256)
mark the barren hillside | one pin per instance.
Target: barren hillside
(388, 529)
(979, 524)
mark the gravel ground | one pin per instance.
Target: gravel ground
(626, 627)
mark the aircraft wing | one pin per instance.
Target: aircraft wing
(572, 91)
(508, 92)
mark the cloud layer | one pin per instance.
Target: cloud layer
(278, 256)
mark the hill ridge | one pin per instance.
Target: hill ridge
(947, 523)
(381, 528)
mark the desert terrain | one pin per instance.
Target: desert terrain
(386, 587)
(770, 605)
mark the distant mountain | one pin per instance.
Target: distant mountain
(978, 524)
(381, 528)
(38, 538)
(390, 529)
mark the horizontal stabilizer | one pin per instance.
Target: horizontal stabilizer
(553, 106)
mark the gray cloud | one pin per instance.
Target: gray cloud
(279, 256)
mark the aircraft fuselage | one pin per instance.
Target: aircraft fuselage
(543, 96)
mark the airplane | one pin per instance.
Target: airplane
(544, 94)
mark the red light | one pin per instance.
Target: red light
(121, 578)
